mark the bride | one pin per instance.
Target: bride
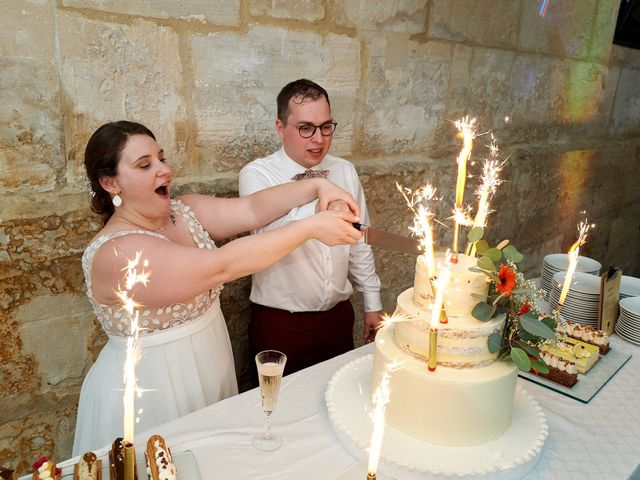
(185, 360)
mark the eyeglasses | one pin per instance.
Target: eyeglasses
(309, 130)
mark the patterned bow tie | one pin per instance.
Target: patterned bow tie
(311, 174)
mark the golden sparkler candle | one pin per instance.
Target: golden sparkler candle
(467, 129)
(436, 312)
(574, 252)
(129, 461)
(433, 349)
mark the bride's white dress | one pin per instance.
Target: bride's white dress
(186, 360)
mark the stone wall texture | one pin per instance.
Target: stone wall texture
(203, 75)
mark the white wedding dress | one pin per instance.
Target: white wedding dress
(186, 361)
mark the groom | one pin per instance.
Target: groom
(301, 304)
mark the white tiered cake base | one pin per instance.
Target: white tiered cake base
(510, 456)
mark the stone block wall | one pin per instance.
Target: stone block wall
(561, 99)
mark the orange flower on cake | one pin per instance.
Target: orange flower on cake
(507, 280)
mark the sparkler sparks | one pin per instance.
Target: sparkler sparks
(380, 401)
(490, 181)
(132, 278)
(419, 203)
(574, 251)
(467, 128)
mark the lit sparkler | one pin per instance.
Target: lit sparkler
(489, 182)
(419, 203)
(467, 128)
(574, 252)
(132, 278)
(380, 401)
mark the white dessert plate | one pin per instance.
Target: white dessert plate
(622, 334)
(560, 261)
(631, 305)
(581, 282)
(629, 286)
(634, 334)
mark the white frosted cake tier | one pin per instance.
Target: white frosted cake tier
(462, 342)
(449, 406)
(511, 456)
(459, 296)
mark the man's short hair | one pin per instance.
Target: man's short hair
(301, 91)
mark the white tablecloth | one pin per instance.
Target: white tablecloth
(598, 440)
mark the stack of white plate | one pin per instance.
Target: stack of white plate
(628, 325)
(583, 299)
(559, 262)
(629, 287)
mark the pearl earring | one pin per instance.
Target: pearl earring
(117, 200)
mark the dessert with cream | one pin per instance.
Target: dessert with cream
(561, 370)
(45, 469)
(583, 355)
(89, 467)
(159, 461)
(590, 335)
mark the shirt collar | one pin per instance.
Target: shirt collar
(290, 167)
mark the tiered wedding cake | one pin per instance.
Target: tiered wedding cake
(468, 399)
(466, 419)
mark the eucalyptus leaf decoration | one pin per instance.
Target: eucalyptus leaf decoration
(510, 294)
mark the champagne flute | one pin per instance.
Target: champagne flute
(270, 365)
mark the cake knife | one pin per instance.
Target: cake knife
(389, 241)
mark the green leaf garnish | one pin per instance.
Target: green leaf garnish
(475, 234)
(494, 254)
(550, 322)
(486, 263)
(540, 366)
(482, 246)
(495, 339)
(535, 327)
(512, 254)
(521, 359)
(483, 311)
(530, 349)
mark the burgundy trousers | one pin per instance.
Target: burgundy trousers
(306, 338)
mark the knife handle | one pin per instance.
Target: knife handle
(357, 226)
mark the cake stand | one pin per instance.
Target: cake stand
(508, 457)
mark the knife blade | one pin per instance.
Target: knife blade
(389, 241)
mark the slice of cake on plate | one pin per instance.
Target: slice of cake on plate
(583, 355)
(561, 370)
(588, 334)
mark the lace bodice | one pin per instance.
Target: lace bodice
(115, 320)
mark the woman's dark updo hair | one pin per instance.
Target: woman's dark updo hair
(101, 159)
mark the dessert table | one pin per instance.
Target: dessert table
(598, 440)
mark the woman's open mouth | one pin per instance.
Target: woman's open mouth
(163, 191)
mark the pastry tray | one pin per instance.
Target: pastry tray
(185, 463)
(590, 383)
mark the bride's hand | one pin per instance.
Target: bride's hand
(334, 228)
(329, 192)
